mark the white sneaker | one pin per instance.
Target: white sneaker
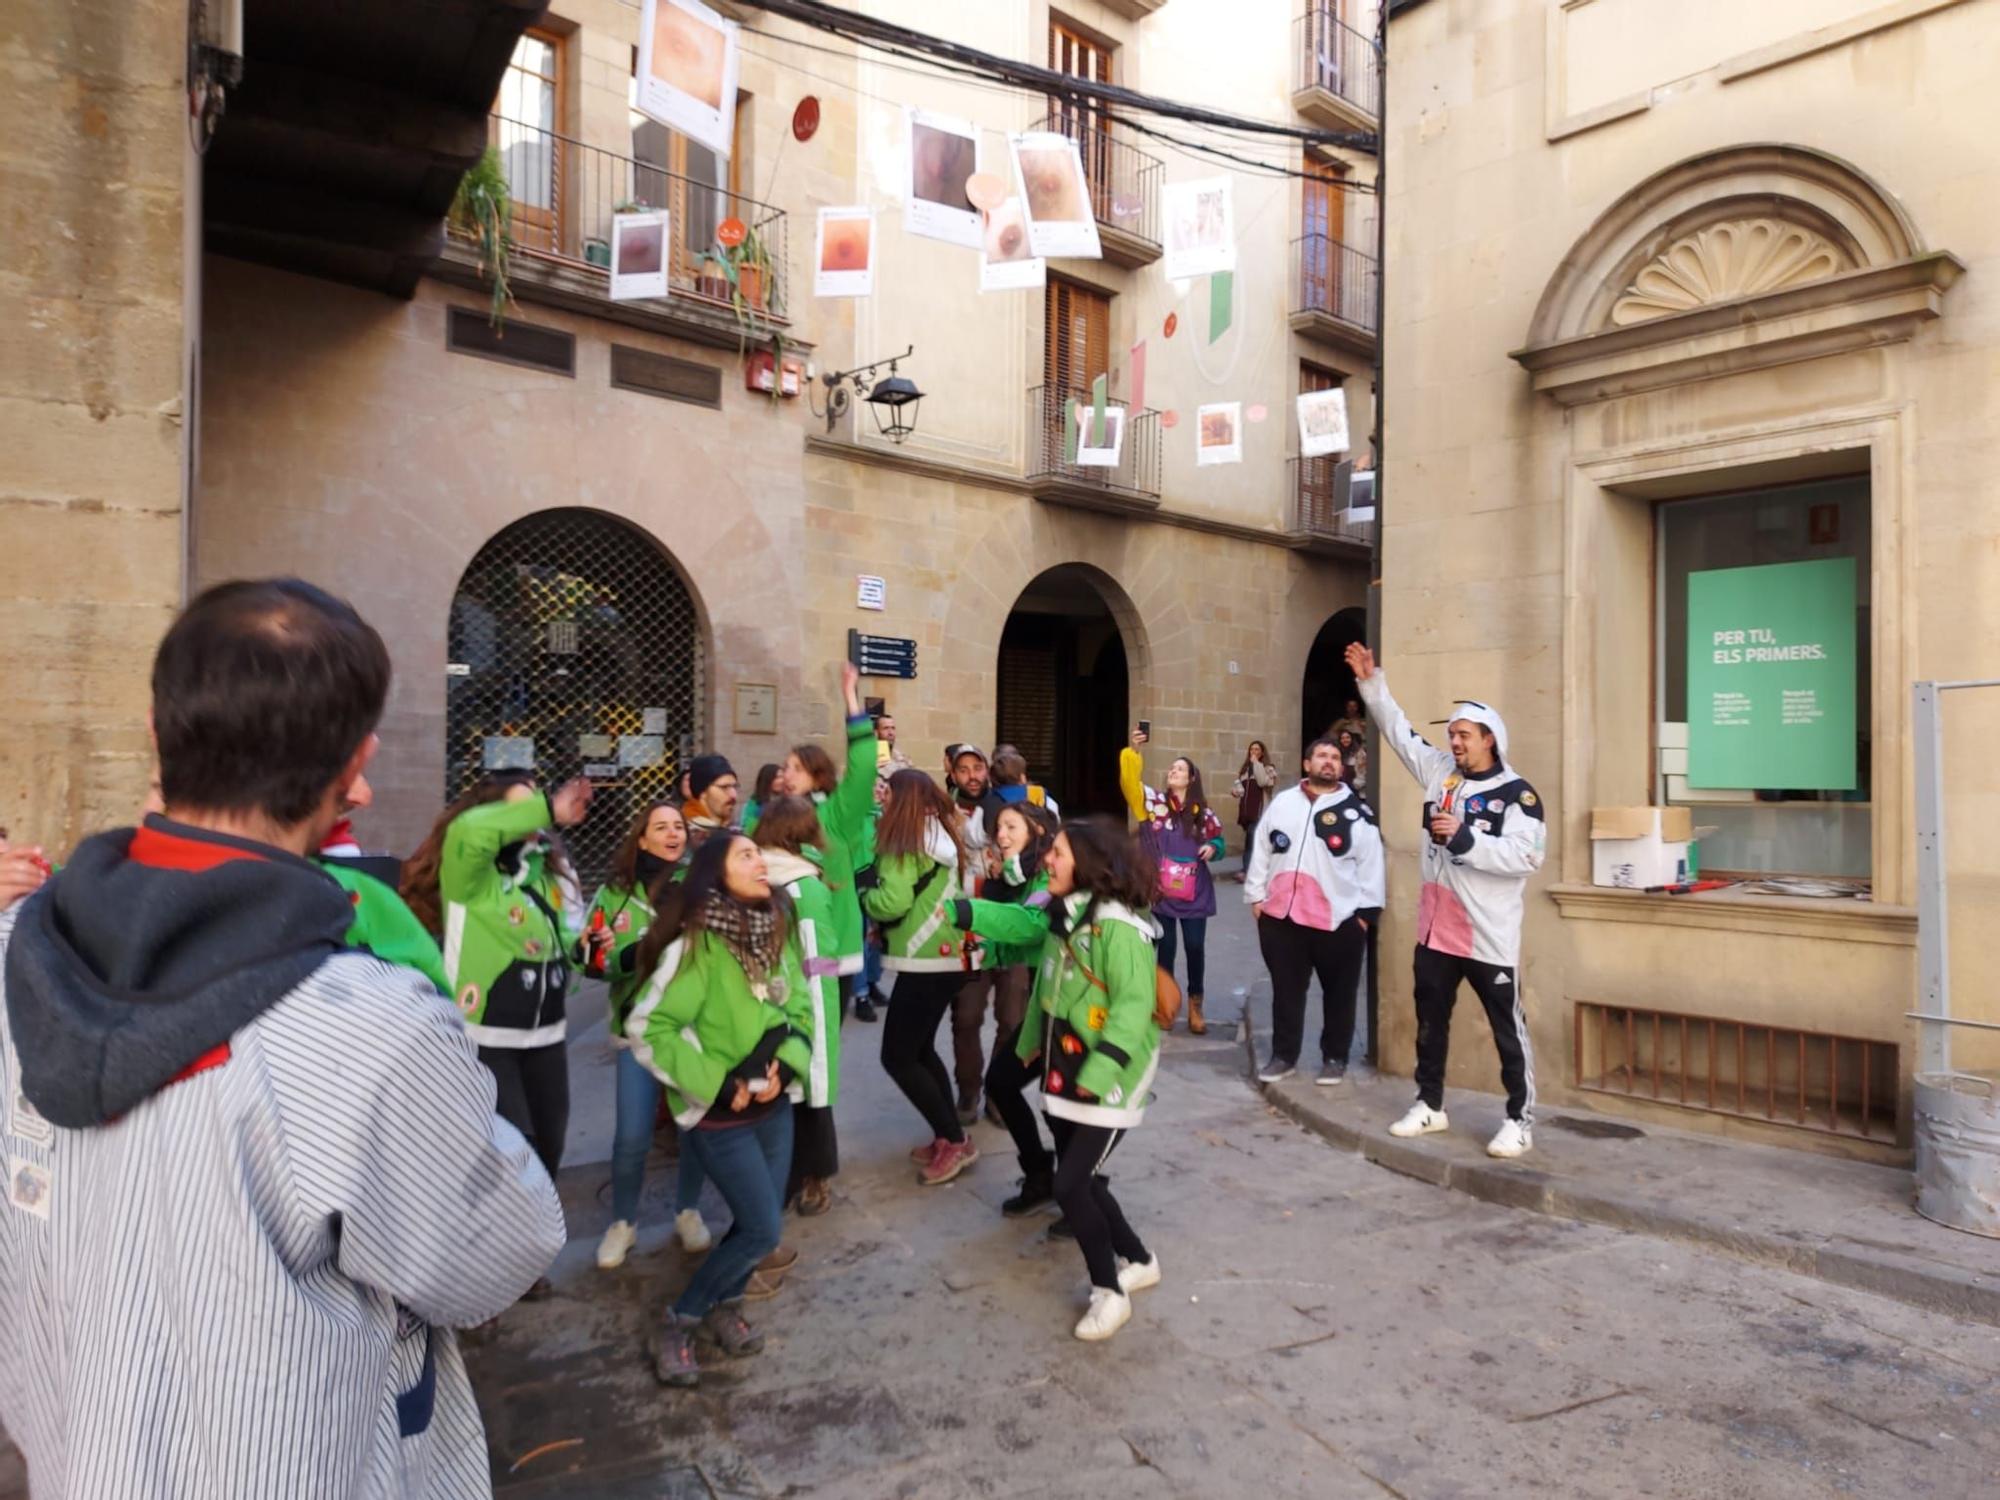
(1513, 1140)
(1137, 1275)
(1109, 1312)
(617, 1242)
(693, 1233)
(1421, 1120)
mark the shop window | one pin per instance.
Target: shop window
(1764, 663)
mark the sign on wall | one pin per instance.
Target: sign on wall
(1771, 677)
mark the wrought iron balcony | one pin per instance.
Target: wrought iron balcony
(1334, 293)
(565, 194)
(1323, 490)
(1124, 185)
(1132, 484)
(1336, 75)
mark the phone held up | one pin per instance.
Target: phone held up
(1146, 728)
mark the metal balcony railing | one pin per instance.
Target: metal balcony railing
(1137, 472)
(1124, 181)
(1334, 280)
(1320, 502)
(565, 193)
(1331, 55)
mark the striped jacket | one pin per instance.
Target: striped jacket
(245, 1285)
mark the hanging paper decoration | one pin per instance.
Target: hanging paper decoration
(1099, 389)
(844, 257)
(1006, 260)
(638, 256)
(1219, 434)
(1167, 328)
(1170, 419)
(1255, 412)
(1322, 423)
(1098, 447)
(1221, 303)
(687, 71)
(1200, 228)
(943, 154)
(1138, 394)
(1056, 194)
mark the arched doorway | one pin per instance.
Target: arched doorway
(575, 648)
(1328, 682)
(1065, 687)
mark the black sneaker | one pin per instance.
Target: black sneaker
(875, 993)
(864, 1010)
(1276, 1069)
(1330, 1074)
(1037, 1189)
(1061, 1230)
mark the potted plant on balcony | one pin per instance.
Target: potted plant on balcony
(596, 248)
(481, 211)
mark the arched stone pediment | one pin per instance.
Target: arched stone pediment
(1745, 256)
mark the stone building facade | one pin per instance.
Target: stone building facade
(1697, 286)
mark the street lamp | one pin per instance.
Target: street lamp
(892, 399)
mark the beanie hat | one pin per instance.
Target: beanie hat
(705, 770)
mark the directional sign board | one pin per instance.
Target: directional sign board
(882, 655)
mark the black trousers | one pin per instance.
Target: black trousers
(1294, 954)
(1007, 1083)
(1085, 1197)
(534, 1094)
(909, 1047)
(1437, 980)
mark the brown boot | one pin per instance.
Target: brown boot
(1196, 1025)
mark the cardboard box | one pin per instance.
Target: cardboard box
(1635, 847)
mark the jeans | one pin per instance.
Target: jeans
(747, 1164)
(533, 1084)
(871, 964)
(1085, 1196)
(632, 1142)
(1195, 929)
(909, 1048)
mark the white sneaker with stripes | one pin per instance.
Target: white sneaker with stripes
(1514, 1139)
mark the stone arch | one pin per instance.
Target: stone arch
(1727, 224)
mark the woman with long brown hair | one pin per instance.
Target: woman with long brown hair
(920, 871)
(1256, 779)
(1181, 832)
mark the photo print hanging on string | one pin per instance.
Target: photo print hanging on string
(1200, 228)
(687, 71)
(944, 157)
(1055, 196)
(1322, 423)
(844, 253)
(1099, 446)
(638, 256)
(1218, 434)
(1007, 262)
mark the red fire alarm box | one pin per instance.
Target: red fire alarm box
(762, 372)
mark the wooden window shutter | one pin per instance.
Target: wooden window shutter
(1078, 338)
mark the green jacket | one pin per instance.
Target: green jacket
(697, 1020)
(812, 930)
(505, 949)
(1090, 1018)
(627, 914)
(1014, 928)
(386, 927)
(847, 817)
(912, 898)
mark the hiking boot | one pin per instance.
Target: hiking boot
(725, 1328)
(1037, 1189)
(1109, 1312)
(1197, 1023)
(952, 1158)
(815, 1197)
(674, 1361)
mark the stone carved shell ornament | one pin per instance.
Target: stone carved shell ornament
(1739, 258)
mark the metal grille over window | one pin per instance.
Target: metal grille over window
(575, 650)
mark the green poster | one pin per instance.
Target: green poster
(1771, 677)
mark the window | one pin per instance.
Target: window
(527, 119)
(1078, 54)
(1077, 341)
(1820, 829)
(1324, 53)
(698, 188)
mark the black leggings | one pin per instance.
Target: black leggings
(1085, 1196)
(909, 1047)
(1007, 1080)
(534, 1094)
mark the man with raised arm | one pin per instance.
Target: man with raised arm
(1484, 835)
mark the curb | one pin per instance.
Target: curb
(1919, 1284)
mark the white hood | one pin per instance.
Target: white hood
(785, 867)
(1482, 713)
(938, 844)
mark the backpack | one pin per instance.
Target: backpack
(1166, 991)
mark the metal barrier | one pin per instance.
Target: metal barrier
(1321, 498)
(1138, 469)
(1335, 280)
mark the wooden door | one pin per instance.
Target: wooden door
(1321, 223)
(1081, 56)
(1077, 342)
